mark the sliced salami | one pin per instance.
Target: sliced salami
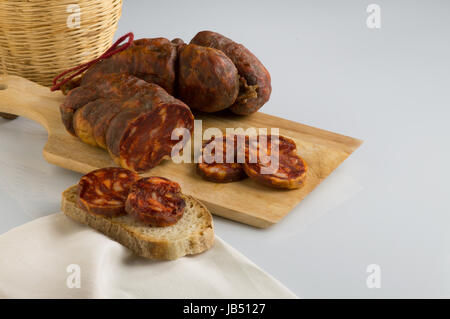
(118, 86)
(274, 162)
(228, 168)
(155, 201)
(140, 138)
(104, 191)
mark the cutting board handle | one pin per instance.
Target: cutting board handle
(6, 116)
(19, 96)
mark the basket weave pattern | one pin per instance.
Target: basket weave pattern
(37, 43)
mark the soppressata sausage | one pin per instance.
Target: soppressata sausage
(207, 79)
(274, 161)
(152, 60)
(123, 103)
(140, 138)
(226, 167)
(132, 118)
(155, 201)
(92, 121)
(86, 118)
(203, 78)
(255, 82)
(104, 191)
(178, 42)
(119, 86)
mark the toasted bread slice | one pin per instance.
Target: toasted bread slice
(192, 234)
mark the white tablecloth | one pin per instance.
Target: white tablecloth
(53, 255)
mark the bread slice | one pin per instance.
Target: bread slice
(192, 234)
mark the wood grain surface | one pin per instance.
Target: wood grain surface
(244, 201)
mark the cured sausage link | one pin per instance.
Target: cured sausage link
(140, 138)
(131, 118)
(118, 86)
(255, 82)
(152, 60)
(91, 122)
(207, 78)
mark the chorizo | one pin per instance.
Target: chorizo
(86, 117)
(255, 82)
(131, 118)
(140, 138)
(155, 201)
(75, 99)
(152, 60)
(275, 163)
(104, 191)
(207, 79)
(92, 120)
(178, 42)
(113, 86)
(228, 169)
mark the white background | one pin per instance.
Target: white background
(386, 205)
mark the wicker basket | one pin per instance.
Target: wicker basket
(41, 38)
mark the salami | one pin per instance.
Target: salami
(140, 138)
(155, 201)
(86, 117)
(283, 168)
(152, 60)
(178, 42)
(131, 118)
(207, 78)
(75, 99)
(124, 103)
(228, 169)
(118, 86)
(104, 191)
(255, 82)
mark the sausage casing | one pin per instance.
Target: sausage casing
(255, 82)
(207, 79)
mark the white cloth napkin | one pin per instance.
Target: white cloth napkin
(45, 257)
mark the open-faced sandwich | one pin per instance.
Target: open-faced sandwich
(150, 216)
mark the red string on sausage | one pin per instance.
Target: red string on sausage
(83, 67)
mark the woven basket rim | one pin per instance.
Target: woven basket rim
(36, 43)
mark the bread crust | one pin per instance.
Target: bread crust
(153, 248)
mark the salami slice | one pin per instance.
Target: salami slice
(104, 191)
(155, 201)
(228, 169)
(275, 162)
(254, 83)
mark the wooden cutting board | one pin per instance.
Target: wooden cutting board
(244, 201)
